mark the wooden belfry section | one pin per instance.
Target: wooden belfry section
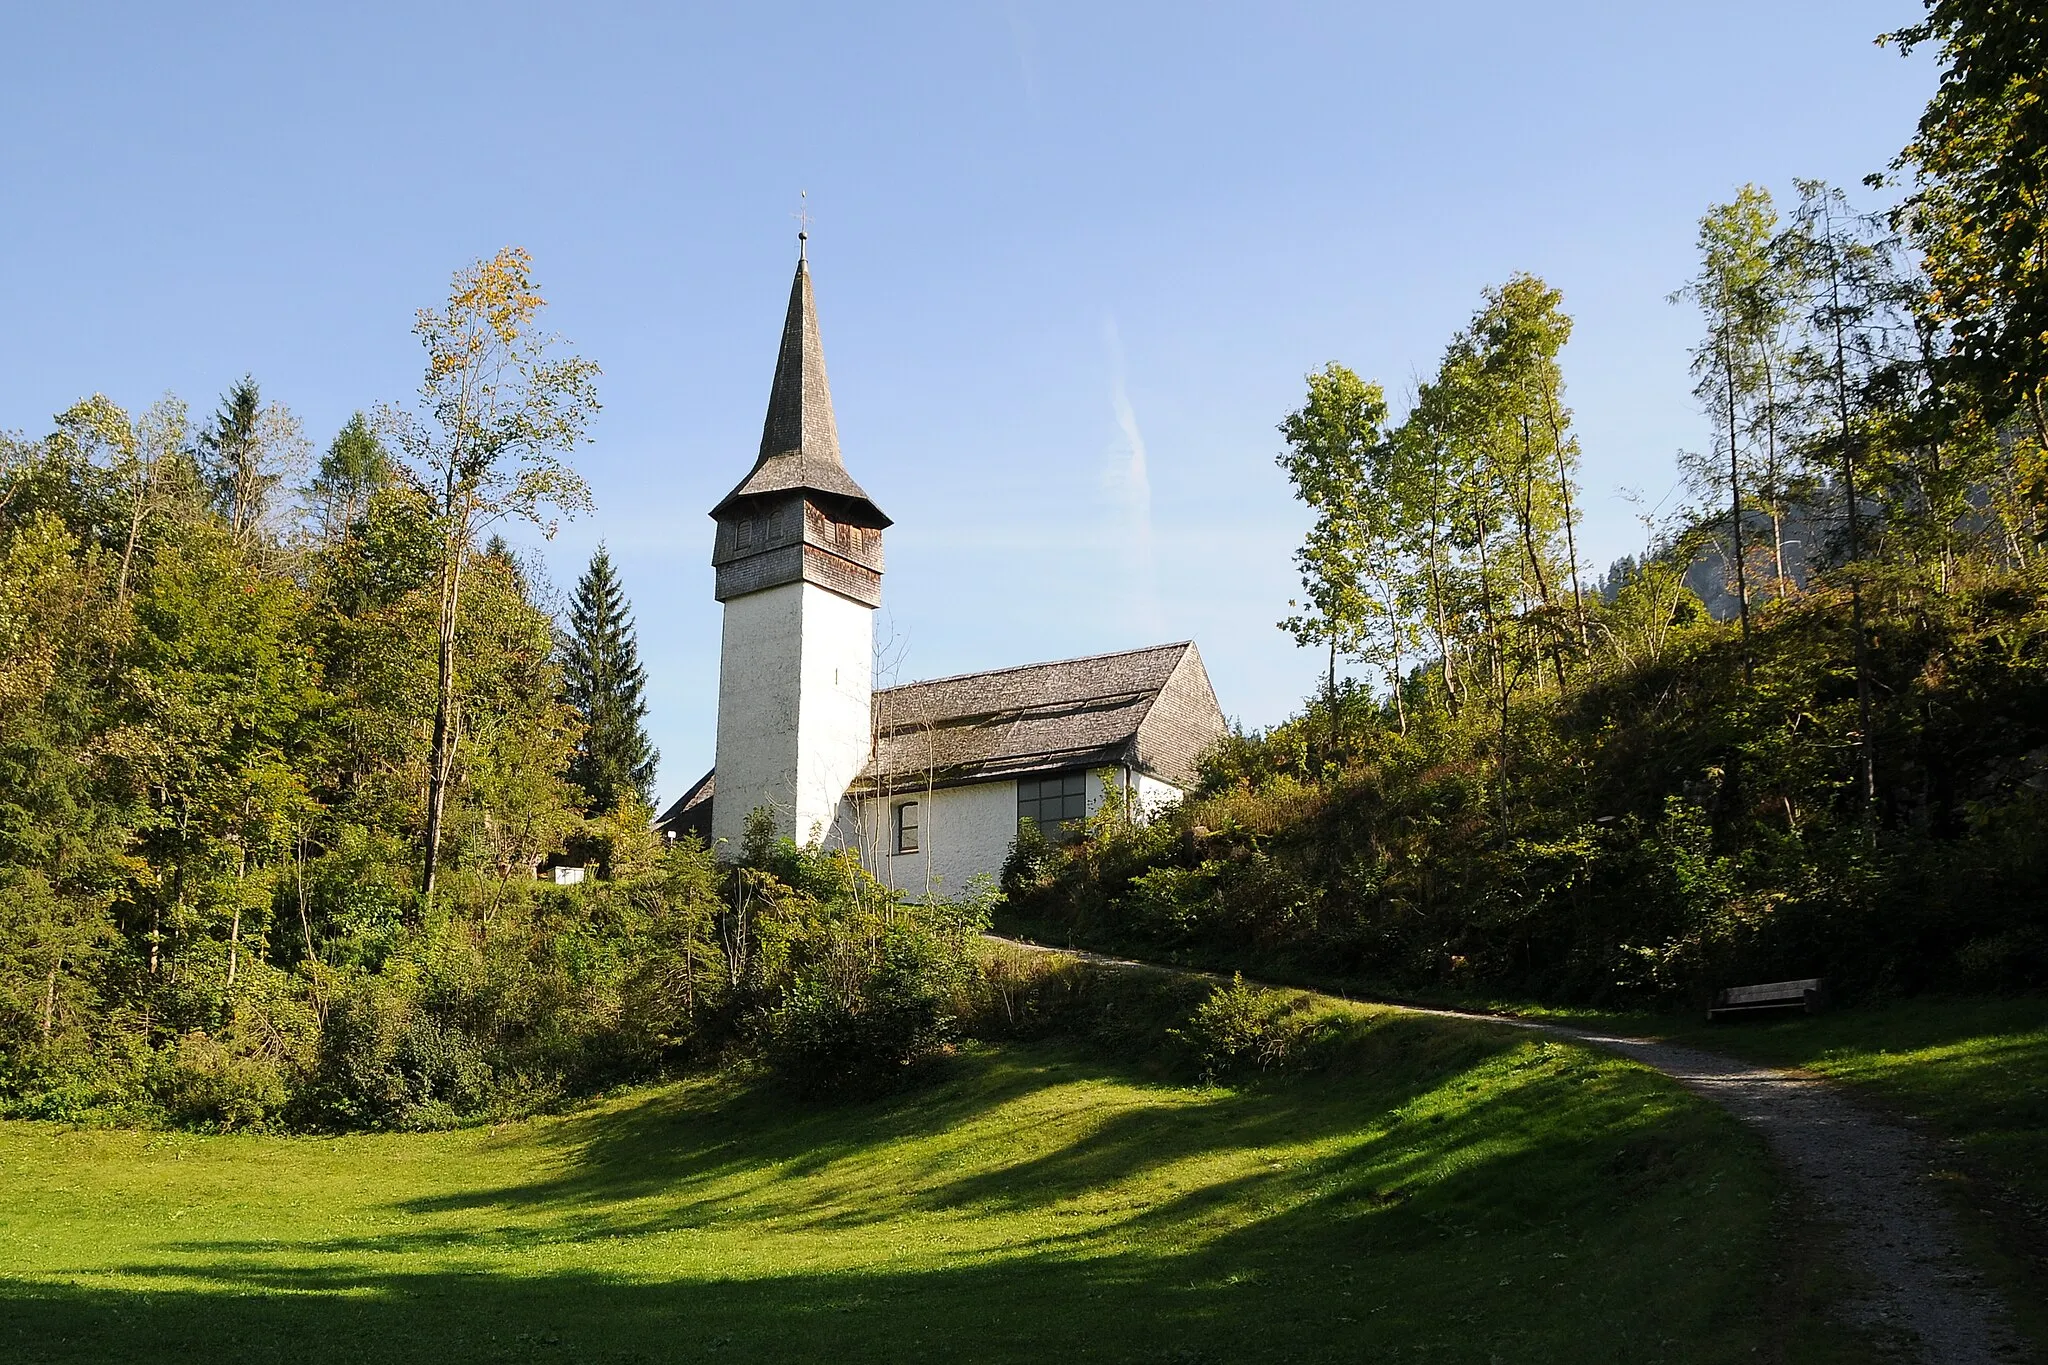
(798, 516)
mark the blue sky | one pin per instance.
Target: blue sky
(1072, 261)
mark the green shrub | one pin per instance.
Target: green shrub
(1241, 1029)
(859, 1017)
(206, 1082)
(387, 1061)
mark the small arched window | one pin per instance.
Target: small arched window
(906, 827)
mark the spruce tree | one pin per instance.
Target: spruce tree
(605, 684)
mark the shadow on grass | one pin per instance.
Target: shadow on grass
(1441, 1193)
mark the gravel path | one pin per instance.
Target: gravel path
(1868, 1177)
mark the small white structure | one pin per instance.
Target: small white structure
(929, 781)
(960, 764)
(566, 876)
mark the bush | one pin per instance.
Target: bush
(1243, 1029)
(386, 1061)
(1661, 828)
(858, 1020)
(206, 1082)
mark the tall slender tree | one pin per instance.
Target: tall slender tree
(607, 687)
(1854, 316)
(1337, 458)
(501, 406)
(1740, 294)
(244, 452)
(355, 466)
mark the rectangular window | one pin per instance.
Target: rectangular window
(1056, 804)
(906, 827)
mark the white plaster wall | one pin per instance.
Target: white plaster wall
(835, 715)
(1155, 796)
(1151, 794)
(794, 678)
(966, 830)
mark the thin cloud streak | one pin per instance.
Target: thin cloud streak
(1130, 480)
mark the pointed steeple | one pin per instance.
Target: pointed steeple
(800, 399)
(800, 437)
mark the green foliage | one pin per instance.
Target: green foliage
(605, 685)
(1980, 166)
(1668, 828)
(863, 1007)
(1242, 1029)
(849, 989)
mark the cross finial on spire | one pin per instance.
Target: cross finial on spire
(803, 221)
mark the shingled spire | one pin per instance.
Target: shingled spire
(797, 562)
(800, 437)
(800, 400)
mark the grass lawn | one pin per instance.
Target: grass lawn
(1975, 1070)
(1444, 1192)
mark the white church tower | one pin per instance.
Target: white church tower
(798, 557)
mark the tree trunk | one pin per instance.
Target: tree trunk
(1771, 465)
(442, 760)
(1330, 703)
(1499, 648)
(1564, 492)
(1394, 679)
(135, 519)
(1438, 611)
(1526, 511)
(1735, 509)
(1867, 777)
(305, 918)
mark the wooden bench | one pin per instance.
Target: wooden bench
(1804, 995)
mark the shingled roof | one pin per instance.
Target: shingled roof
(800, 436)
(1150, 708)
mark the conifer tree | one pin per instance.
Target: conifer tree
(244, 452)
(605, 684)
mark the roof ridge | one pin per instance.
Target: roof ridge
(1023, 711)
(1047, 663)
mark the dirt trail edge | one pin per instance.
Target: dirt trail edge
(1868, 1177)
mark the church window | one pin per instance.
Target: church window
(743, 533)
(906, 827)
(1056, 804)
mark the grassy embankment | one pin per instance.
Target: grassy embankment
(1435, 1190)
(1970, 1071)
(1973, 1070)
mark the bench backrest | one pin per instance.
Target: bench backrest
(1772, 990)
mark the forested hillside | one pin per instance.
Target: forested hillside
(283, 741)
(1590, 787)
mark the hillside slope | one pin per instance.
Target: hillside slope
(1438, 1190)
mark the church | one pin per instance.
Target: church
(929, 781)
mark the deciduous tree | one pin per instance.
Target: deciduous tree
(500, 407)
